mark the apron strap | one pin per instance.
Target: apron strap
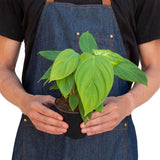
(104, 2)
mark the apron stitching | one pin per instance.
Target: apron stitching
(125, 143)
(120, 129)
(39, 27)
(73, 149)
(24, 141)
(80, 7)
(96, 37)
(76, 43)
(29, 125)
(118, 32)
(103, 39)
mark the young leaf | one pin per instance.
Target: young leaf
(100, 108)
(94, 80)
(113, 57)
(73, 101)
(87, 42)
(65, 85)
(65, 63)
(47, 74)
(128, 71)
(50, 55)
(54, 87)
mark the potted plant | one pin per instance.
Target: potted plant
(86, 79)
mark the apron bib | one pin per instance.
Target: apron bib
(60, 27)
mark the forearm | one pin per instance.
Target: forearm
(139, 94)
(11, 87)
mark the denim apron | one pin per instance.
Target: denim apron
(60, 27)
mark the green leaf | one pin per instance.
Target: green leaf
(128, 71)
(89, 115)
(54, 87)
(65, 63)
(87, 42)
(75, 89)
(65, 85)
(73, 101)
(81, 110)
(113, 57)
(50, 55)
(94, 79)
(100, 108)
(46, 74)
(45, 82)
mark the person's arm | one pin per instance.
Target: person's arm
(117, 108)
(34, 106)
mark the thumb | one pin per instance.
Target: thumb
(49, 100)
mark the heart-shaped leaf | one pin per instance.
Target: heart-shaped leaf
(87, 42)
(113, 57)
(65, 85)
(94, 80)
(65, 63)
(73, 101)
(50, 55)
(128, 71)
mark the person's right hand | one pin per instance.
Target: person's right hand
(44, 119)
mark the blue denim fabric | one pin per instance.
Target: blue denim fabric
(57, 30)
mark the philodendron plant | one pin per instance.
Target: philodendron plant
(87, 78)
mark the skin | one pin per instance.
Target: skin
(36, 107)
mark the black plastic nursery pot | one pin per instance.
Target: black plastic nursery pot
(74, 120)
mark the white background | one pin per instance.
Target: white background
(146, 119)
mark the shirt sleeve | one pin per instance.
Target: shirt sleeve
(11, 16)
(147, 20)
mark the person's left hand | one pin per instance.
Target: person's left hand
(114, 111)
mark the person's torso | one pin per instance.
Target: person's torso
(124, 11)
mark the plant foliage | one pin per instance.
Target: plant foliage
(88, 78)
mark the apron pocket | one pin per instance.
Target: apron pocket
(104, 41)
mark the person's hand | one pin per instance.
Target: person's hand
(115, 110)
(44, 119)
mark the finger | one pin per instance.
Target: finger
(49, 121)
(99, 120)
(98, 129)
(49, 100)
(106, 110)
(48, 112)
(48, 128)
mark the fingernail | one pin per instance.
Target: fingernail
(60, 118)
(82, 125)
(64, 130)
(84, 130)
(65, 126)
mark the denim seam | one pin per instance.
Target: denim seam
(39, 28)
(97, 37)
(76, 44)
(28, 125)
(125, 144)
(73, 149)
(118, 32)
(79, 6)
(24, 142)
